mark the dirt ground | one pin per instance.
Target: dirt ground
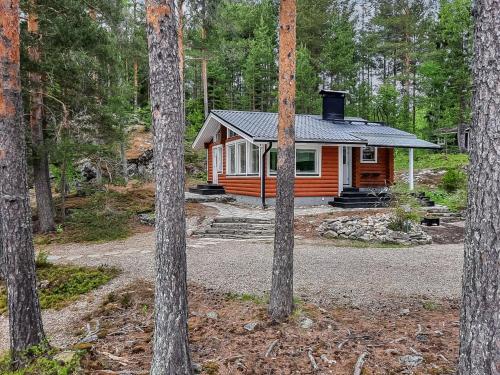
(220, 343)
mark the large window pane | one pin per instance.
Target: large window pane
(254, 159)
(273, 161)
(306, 162)
(231, 159)
(242, 158)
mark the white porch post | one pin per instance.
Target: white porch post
(410, 175)
(341, 169)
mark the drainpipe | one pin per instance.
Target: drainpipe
(263, 175)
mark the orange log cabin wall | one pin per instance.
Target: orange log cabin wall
(325, 185)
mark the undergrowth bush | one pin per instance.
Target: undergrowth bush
(406, 208)
(453, 180)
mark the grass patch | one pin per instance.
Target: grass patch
(43, 362)
(62, 284)
(246, 297)
(456, 201)
(424, 159)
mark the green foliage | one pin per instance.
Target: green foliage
(456, 201)
(424, 159)
(406, 209)
(453, 180)
(41, 361)
(63, 284)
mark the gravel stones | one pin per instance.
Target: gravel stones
(372, 229)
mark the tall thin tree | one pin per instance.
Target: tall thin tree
(281, 302)
(41, 176)
(480, 318)
(25, 320)
(170, 347)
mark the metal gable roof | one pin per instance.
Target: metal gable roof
(262, 126)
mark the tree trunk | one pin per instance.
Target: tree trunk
(170, 346)
(41, 175)
(281, 301)
(204, 71)
(136, 84)
(123, 156)
(25, 320)
(180, 36)
(480, 320)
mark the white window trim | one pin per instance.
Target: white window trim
(363, 161)
(214, 149)
(319, 153)
(230, 131)
(248, 157)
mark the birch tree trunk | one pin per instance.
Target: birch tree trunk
(281, 301)
(41, 175)
(170, 347)
(25, 320)
(480, 318)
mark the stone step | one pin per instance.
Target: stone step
(247, 231)
(249, 220)
(364, 204)
(261, 226)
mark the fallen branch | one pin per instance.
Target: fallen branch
(313, 361)
(359, 363)
(271, 348)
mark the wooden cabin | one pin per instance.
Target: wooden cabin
(335, 155)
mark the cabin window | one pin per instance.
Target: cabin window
(254, 160)
(306, 162)
(231, 159)
(243, 158)
(230, 133)
(369, 154)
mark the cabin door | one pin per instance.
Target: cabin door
(347, 165)
(216, 163)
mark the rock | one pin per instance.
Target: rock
(251, 326)
(43, 284)
(65, 357)
(306, 323)
(212, 315)
(411, 360)
(197, 368)
(404, 312)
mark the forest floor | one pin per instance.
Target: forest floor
(231, 334)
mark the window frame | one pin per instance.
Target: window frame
(318, 150)
(231, 133)
(248, 155)
(369, 161)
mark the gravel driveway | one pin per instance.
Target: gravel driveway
(322, 273)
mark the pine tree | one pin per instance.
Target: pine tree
(281, 298)
(170, 345)
(25, 319)
(480, 320)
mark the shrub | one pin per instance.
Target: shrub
(406, 208)
(453, 180)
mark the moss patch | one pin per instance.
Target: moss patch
(43, 362)
(62, 284)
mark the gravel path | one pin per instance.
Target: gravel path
(322, 273)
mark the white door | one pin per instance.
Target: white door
(216, 163)
(347, 165)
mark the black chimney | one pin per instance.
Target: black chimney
(333, 104)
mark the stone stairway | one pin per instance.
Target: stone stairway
(239, 227)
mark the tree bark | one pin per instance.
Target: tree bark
(41, 175)
(281, 301)
(170, 346)
(25, 320)
(136, 84)
(480, 320)
(204, 67)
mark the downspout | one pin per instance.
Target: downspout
(263, 175)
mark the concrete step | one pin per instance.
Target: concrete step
(352, 199)
(243, 226)
(247, 231)
(207, 191)
(367, 204)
